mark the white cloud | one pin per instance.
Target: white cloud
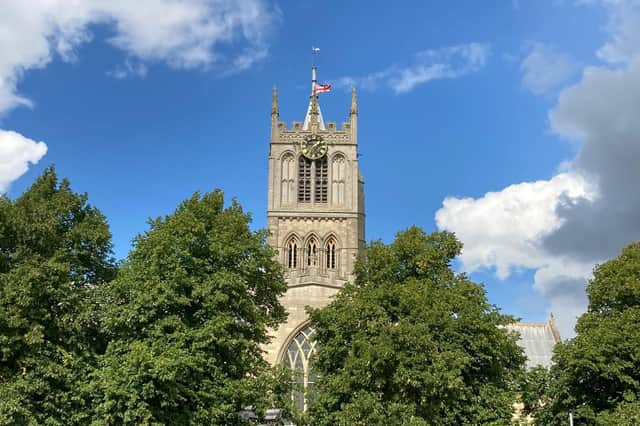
(504, 229)
(128, 69)
(624, 30)
(16, 153)
(247, 58)
(564, 226)
(544, 69)
(448, 62)
(180, 33)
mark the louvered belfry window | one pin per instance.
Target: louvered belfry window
(304, 180)
(321, 180)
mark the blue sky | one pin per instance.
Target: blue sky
(489, 119)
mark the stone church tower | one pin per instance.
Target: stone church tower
(315, 215)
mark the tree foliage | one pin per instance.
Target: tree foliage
(186, 316)
(55, 250)
(596, 375)
(413, 343)
(533, 386)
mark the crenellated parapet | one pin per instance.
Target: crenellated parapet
(295, 132)
(331, 126)
(332, 138)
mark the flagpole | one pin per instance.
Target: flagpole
(314, 96)
(314, 50)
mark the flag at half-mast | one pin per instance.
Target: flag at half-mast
(321, 88)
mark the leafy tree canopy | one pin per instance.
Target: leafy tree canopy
(186, 317)
(413, 343)
(596, 375)
(55, 250)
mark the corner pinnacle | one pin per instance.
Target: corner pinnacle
(274, 102)
(354, 102)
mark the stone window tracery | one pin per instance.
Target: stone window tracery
(292, 253)
(338, 178)
(312, 252)
(313, 176)
(330, 253)
(287, 181)
(298, 359)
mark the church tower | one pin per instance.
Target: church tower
(315, 215)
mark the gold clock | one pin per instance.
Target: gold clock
(313, 146)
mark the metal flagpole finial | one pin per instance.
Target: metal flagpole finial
(314, 50)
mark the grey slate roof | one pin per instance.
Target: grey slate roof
(538, 340)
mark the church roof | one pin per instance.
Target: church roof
(307, 118)
(537, 340)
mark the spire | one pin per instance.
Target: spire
(313, 120)
(275, 112)
(314, 98)
(354, 102)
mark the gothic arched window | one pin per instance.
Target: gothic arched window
(321, 180)
(304, 180)
(338, 172)
(292, 253)
(330, 252)
(298, 359)
(312, 252)
(287, 179)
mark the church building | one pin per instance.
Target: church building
(315, 215)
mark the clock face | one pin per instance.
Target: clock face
(313, 147)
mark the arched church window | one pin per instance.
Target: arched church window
(299, 356)
(312, 252)
(330, 251)
(292, 253)
(338, 171)
(287, 190)
(304, 180)
(321, 180)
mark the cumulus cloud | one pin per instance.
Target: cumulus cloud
(504, 229)
(602, 112)
(16, 153)
(181, 33)
(432, 64)
(583, 216)
(544, 69)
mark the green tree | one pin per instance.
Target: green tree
(186, 317)
(55, 251)
(599, 369)
(413, 343)
(626, 413)
(533, 386)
